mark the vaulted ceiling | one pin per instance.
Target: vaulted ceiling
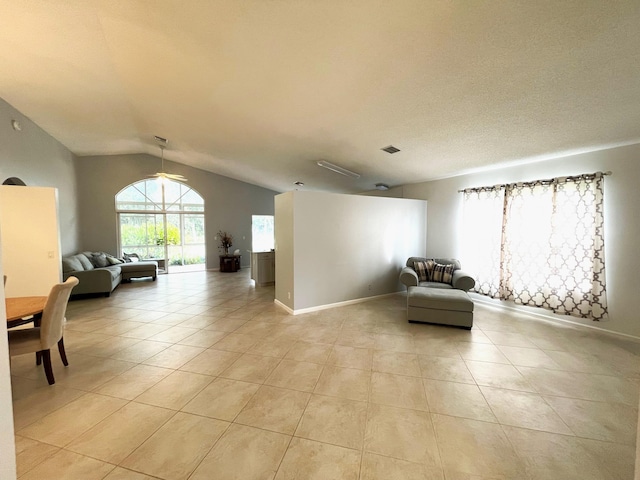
(259, 90)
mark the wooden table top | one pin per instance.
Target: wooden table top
(20, 307)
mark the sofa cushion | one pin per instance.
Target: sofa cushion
(115, 271)
(424, 269)
(71, 264)
(86, 264)
(442, 273)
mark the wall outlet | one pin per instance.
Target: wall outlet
(369, 287)
(289, 295)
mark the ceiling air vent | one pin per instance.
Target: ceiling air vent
(390, 149)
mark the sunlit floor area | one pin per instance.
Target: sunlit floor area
(200, 376)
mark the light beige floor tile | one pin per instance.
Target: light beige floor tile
(30, 453)
(301, 376)
(581, 362)
(63, 425)
(274, 409)
(233, 324)
(613, 422)
(244, 453)
(40, 402)
(203, 338)
(272, 347)
(319, 335)
(582, 385)
(172, 319)
(351, 357)
(118, 327)
(401, 433)
(309, 460)
(548, 455)
(175, 390)
(121, 433)
(394, 343)
(356, 338)
(198, 321)
(223, 399)
(176, 449)
(210, 362)
(108, 347)
(69, 466)
(141, 351)
(396, 363)
(133, 382)
(145, 331)
(251, 368)
(445, 368)
(120, 473)
(528, 357)
(481, 352)
(377, 467)
(334, 420)
(87, 373)
(509, 339)
(347, 383)
(174, 356)
(458, 400)
(236, 342)
(436, 347)
(615, 460)
(309, 352)
(398, 391)
(526, 410)
(474, 447)
(499, 376)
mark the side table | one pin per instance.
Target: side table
(230, 263)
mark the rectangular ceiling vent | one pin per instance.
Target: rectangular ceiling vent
(390, 149)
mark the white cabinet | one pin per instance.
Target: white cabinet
(263, 268)
(30, 240)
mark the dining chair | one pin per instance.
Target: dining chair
(41, 339)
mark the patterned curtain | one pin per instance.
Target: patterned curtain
(551, 252)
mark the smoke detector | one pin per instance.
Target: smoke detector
(382, 186)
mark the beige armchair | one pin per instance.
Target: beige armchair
(41, 339)
(461, 280)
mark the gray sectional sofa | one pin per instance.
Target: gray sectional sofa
(101, 273)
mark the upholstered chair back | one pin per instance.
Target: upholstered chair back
(52, 324)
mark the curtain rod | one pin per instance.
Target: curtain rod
(551, 180)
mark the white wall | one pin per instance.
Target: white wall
(31, 240)
(347, 247)
(32, 155)
(284, 247)
(7, 439)
(622, 221)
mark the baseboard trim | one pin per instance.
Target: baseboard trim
(545, 316)
(331, 305)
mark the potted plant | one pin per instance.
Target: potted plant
(226, 241)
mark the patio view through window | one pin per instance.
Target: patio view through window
(163, 220)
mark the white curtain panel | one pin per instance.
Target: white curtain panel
(550, 251)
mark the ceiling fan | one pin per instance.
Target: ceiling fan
(162, 174)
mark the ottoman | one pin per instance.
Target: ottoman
(138, 270)
(442, 306)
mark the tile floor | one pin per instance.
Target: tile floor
(200, 376)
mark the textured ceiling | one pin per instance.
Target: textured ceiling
(260, 90)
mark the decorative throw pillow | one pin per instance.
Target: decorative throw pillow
(442, 273)
(114, 260)
(99, 260)
(424, 269)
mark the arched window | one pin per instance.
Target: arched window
(162, 220)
